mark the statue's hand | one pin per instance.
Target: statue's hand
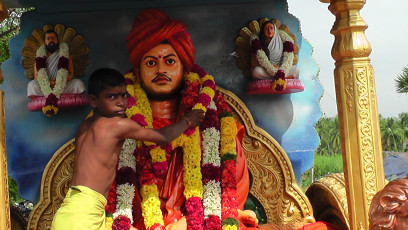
(181, 224)
(194, 117)
(52, 83)
(248, 218)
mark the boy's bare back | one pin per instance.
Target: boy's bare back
(97, 152)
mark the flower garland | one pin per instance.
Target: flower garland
(279, 73)
(52, 94)
(211, 168)
(228, 130)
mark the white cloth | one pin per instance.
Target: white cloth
(260, 73)
(73, 86)
(275, 48)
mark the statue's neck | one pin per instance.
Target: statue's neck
(165, 109)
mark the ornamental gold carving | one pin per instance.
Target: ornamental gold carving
(54, 185)
(273, 181)
(357, 108)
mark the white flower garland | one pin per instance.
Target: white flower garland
(287, 60)
(62, 73)
(126, 192)
(211, 155)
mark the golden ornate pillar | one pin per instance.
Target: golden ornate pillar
(4, 195)
(357, 109)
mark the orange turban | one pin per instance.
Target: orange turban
(150, 28)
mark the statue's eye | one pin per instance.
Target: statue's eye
(170, 61)
(151, 63)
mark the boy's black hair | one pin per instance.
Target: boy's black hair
(50, 31)
(104, 78)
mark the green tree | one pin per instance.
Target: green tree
(392, 135)
(9, 27)
(402, 81)
(328, 131)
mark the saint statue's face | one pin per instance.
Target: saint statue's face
(269, 31)
(51, 42)
(161, 73)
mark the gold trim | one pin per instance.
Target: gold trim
(4, 192)
(273, 181)
(55, 182)
(357, 109)
(329, 200)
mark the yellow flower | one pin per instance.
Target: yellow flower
(280, 82)
(158, 155)
(151, 205)
(229, 227)
(200, 106)
(210, 92)
(47, 108)
(191, 77)
(109, 223)
(205, 78)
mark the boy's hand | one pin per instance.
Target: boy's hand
(194, 117)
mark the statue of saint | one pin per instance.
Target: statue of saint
(201, 179)
(274, 48)
(53, 73)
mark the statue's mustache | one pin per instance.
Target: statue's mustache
(161, 75)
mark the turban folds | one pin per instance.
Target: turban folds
(152, 27)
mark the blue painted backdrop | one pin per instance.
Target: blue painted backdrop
(32, 138)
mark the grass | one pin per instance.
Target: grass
(323, 165)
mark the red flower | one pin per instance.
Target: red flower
(210, 84)
(210, 120)
(121, 223)
(159, 168)
(280, 74)
(288, 46)
(204, 99)
(189, 95)
(157, 226)
(131, 101)
(210, 172)
(222, 105)
(126, 175)
(63, 63)
(199, 70)
(129, 81)
(111, 204)
(212, 223)
(195, 213)
(51, 100)
(279, 87)
(140, 119)
(256, 45)
(40, 62)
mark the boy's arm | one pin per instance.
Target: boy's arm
(132, 130)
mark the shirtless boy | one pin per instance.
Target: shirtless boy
(98, 144)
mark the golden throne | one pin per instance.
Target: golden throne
(273, 186)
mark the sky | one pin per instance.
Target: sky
(387, 33)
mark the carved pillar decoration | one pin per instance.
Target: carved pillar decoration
(357, 109)
(4, 195)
